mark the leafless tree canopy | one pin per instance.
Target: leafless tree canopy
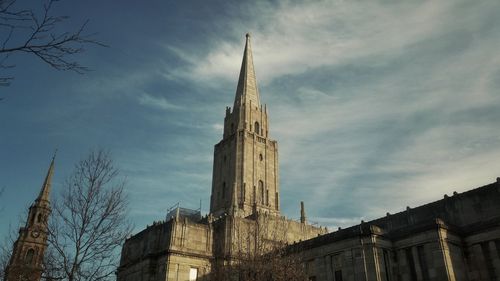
(88, 222)
(260, 253)
(36, 31)
(5, 253)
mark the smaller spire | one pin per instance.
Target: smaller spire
(45, 191)
(302, 212)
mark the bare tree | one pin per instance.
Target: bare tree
(36, 31)
(88, 222)
(260, 252)
(7, 244)
(5, 253)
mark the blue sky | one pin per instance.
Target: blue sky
(375, 105)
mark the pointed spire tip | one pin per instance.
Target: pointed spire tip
(247, 35)
(54, 156)
(247, 84)
(45, 191)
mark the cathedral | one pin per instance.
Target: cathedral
(454, 239)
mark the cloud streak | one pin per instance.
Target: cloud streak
(375, 105)
(157, 102)
(381, 101)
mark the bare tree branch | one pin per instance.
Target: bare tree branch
(37, 33)
(6, 251)
(89, 222)
(259, 252)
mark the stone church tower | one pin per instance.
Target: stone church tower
(244, 203)
(26, 262)
(245, 170)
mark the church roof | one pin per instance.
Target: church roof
(247, 90)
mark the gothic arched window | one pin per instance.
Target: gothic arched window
(257, 127)
(30, 254)
(261, 192)
(223, 190)
(39, 219)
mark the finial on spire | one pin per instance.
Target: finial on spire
(54, 156)
(247, 35)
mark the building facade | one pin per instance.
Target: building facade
(456, 238)
(26, 261)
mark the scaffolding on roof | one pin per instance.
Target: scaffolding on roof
(177, 211)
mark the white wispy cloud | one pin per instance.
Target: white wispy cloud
(158, 102)
(218, 127)
(388, 139)
(333, 223)
(293, 37)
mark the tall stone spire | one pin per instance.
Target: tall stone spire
(46, 187)
(246, 159)
(247, 83)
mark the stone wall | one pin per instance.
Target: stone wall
(417, 244)
(167, 249)
(171, 250)
(472, 207)
(484, 255)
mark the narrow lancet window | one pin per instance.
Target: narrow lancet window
(261, 192)
(29, 256)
